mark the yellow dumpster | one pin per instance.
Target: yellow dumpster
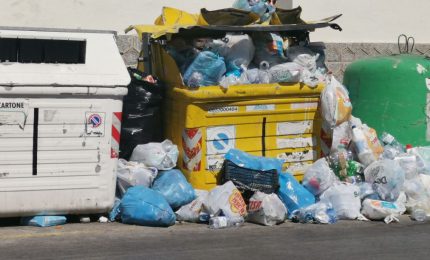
(274, 120)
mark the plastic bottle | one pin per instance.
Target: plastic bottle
(365, 154)
(418, 214)
(263, 73)
(388, 139)
(224, 222)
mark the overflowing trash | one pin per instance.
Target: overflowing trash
(254, 58)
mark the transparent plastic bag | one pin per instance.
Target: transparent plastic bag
(206, 70)
(336, 106)
(162, 156)
(318, 213)
(132, 174)
(237, 49)
(319, 177)
(387, 179)
(285, 72)
(304, 57)
(191, 212)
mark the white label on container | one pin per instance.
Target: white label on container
(295, 142)
(13, 111)
(220, 110)
(294, 128)
(428, 83)
(263, 107)
(214, 162)
(220, 139)
(312, 105)
(307, 155)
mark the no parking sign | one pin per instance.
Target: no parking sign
(220, 139)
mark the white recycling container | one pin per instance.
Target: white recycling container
(61, 97)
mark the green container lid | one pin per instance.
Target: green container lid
(392, 94)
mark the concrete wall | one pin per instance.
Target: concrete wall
(379, 21)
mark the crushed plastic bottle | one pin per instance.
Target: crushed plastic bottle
(224, 222)
(319, 213)
(263, 73)
(419, 214)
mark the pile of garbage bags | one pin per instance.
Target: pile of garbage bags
(255, 58)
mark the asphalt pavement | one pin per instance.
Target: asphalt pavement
(343, 240)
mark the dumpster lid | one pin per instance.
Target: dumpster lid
(57, 57)
(159, 31)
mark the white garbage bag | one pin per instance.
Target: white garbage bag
(336, 106)
(319, 177)
(162, 156)
(387, 179)
(226, 198)
(266, 209)
(191, 211)
(130, 174)
(345, 199)
(382, 210)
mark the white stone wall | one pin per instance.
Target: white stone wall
(379, 21)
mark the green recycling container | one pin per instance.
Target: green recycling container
(392, 94)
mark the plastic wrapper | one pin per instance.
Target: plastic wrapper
(130, 174)
(162, 156)
(269, 47)
(206, 70)
(266, 209)
(174, 187)
(345, 199)
(382, 210)
(285, 72)
(192, 211)
(249, 161)
(387, 178)
(146, 207)
(319, 213)
(319, 177)
(336, 106)
(43, 221)
(292, 194)
(226, 199)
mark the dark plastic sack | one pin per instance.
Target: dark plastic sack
(145, 207)
(174, 187)
(294, 195)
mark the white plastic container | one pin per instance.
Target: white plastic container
(60, 121)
